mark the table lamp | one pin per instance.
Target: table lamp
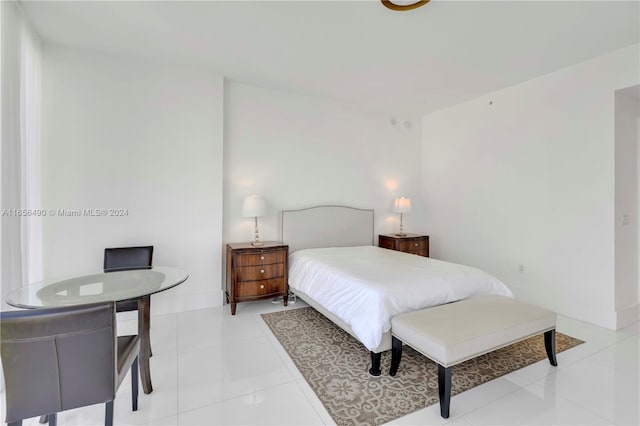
(254, 206)
(402, 205)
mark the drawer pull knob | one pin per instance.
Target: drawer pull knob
(261, 285)
(261, 257)
(262, 271)
(416, 244)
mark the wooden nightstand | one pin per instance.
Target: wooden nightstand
(410, 243)
(255, 273)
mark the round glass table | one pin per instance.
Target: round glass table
(113, 286)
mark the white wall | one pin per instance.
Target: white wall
(146, 137)
(20, 106)
(300, 151)
(525, 176)
(11, 273)
(627, 109)
(128, 134)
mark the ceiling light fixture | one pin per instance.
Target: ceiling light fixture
(400, 7)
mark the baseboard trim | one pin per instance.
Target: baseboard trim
(627, 316)
(167, 303)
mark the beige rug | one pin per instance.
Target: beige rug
(336, 367)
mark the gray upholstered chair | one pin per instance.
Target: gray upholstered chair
(57, 359)
(126, 259)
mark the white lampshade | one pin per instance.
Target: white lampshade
(402, 205)
(254, 206)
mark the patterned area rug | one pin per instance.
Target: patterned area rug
(336, 367)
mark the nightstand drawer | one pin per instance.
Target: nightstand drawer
(260, 272)
(387, 243)
(259, 288)
(408, 243)
(263, 258)
(422, 252)
(414, 245)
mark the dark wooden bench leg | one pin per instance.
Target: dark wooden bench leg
(396, 355)
(375, 364)
(444, 390)
(550, 346)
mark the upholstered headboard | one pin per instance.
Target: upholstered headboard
(327, 226)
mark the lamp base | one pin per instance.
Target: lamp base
(400, 234)
(257, 243)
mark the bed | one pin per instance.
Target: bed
(335, 268)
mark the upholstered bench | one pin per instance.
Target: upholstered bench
(456, 332)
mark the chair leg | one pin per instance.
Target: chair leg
(53, 419)
(46, 419)
(16, 423)
(134, 385)
(108, 413)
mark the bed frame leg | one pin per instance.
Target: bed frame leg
(550, 346)
(444, 390)
(375, 364)
(396, 355)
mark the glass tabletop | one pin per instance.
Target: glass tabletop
(98, 287)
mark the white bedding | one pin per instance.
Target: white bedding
(366, 286)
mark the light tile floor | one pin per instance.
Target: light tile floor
(210, 368)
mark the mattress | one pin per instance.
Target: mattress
(366, 286)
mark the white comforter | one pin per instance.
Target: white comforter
(366, 286)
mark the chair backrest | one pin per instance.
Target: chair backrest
(56, 359)
(127, 258)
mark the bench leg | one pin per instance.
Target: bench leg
(396, 355)
(550, 346)
(375, 364)
(444, 390)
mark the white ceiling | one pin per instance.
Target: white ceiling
(358, 51)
